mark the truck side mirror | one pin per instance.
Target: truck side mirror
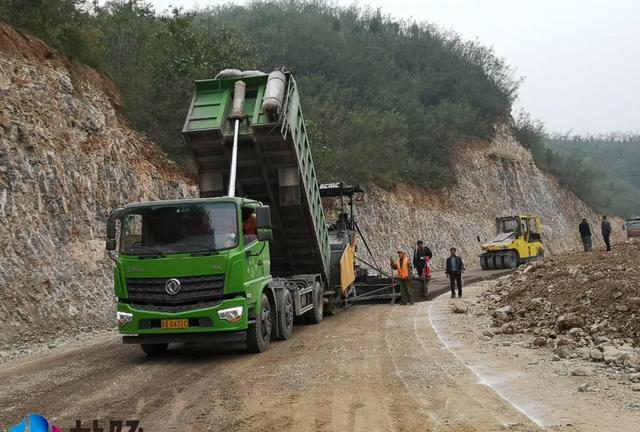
(264, 235)
(111, 234)
(263, 218)
(111, 244)
(111, 228)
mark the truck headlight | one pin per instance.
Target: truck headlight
(232, 315)
(123, 318)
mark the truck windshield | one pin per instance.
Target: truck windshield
(162, 229)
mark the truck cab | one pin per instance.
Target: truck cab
(185, 269)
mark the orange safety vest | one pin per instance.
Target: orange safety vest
(403, 268)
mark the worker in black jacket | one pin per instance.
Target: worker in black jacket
(419, 257)
(585, 234)
(454, 269)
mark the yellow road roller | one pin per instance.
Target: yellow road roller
(518, 240)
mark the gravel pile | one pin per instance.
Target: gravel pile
(580, 305)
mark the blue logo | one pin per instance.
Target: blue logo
(34, 423)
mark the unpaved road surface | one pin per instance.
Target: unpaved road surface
(544, 388)
(373, 367)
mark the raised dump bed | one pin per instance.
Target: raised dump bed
(274, 166)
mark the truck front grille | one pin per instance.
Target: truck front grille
(195, 292)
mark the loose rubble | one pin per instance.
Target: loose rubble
(460, 308)
(579, 306)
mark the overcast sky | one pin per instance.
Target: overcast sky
(580, 59)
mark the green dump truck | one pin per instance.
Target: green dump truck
(233, 266)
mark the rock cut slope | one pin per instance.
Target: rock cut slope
(494, 178)
(67, 157)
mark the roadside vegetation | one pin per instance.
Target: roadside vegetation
(615, 174)
(385, 99)
(603, 170)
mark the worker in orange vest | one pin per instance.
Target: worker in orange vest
(403, 267)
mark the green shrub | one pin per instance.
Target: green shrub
(389, 99)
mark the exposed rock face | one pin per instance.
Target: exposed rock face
(496, 178)
(66, 159)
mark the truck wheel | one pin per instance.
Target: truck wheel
(483, 262)
(314, 316)
(510, 260)
(259, 333)
(285, 318)
(154, 350)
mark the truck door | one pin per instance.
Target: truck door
(255, 262)
(253, 249)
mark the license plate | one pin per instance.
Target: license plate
(174, 324)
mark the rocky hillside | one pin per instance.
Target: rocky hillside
(66, 158)
(495, 178)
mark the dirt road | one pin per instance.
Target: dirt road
(370, 367)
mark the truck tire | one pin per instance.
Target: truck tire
(154, 350)
(315, 315)
(483, 262)
(259, 333)
(286, 315)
